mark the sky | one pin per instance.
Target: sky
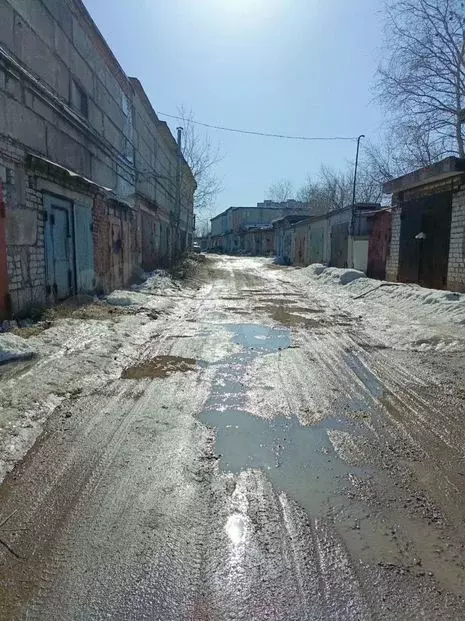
(297, 67)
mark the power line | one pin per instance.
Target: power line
(253, 133)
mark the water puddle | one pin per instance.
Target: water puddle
(259, 338)
(160, 366)
(298, 460)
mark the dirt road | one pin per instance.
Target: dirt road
(267, 453)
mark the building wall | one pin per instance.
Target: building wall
(64, 97)
(157, 163)
(4, 297)
(456, 266)
(24, 234)
(57, 43)
(234, 218)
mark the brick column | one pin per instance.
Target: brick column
(456, 267)
(392, 262)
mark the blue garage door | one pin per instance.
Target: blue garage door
(59, 248)
(69, 248)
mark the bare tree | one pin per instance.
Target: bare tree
(337, 185)
(202, 228)
(422, 79)
(333, 188)
(281, 190)
(403, 148)
(202, 156)
(369, 185)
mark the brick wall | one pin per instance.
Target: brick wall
(392, 263)
(24, 236)
(456, 267)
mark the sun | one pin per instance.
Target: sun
(238, 8)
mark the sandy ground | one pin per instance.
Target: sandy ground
(255, 444)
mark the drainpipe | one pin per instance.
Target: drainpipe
(178, 193)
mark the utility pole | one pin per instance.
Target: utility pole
(356, 166)
(354, 189)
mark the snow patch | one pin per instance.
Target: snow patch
(158, 280)
(336, 275)
(121, 298)
(13, 348)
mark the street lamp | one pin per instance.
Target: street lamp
(352, 219)
(356, 166)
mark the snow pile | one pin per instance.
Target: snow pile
(314, 270)
(414, 300)
(13, 348)
(159, 280)
(334, 275)
(155, 283)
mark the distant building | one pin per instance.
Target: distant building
(249, 230)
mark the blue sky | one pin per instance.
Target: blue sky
(300, 67)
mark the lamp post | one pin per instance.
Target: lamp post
(354, 188)
(356, 166)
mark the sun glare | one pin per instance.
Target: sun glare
(238, 8)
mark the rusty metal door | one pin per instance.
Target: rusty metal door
(424, 240)
(339, 245)
(150, 242)
(127, 255)
(116, 254)
(84, 246)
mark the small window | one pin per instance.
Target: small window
(78, 99)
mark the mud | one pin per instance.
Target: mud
(264, 469)
(160, 366)
(289, 316)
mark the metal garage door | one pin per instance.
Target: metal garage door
(424, 240)
(59, 248)
(84, 247)
(339, 244)
(69, 248)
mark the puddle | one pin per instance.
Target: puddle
(298, 460)
(161, 366)
(259, 338)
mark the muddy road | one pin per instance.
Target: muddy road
(266, 452)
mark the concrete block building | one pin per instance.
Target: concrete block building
(94, 186)
(232, 230)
